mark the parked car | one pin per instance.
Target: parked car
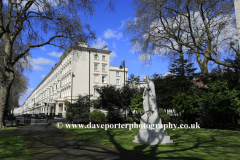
(42, 115)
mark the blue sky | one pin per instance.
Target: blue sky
(109, 31)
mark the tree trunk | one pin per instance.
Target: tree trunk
(6, 77)
(4, 95)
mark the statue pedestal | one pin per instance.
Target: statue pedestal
(150, 136)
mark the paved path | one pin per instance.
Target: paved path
(50, 143)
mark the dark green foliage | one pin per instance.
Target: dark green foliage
(169, 86)
(110, 98)
(164, 88)
(96, 116)
(187, 103)
(183, 72)
(127, 94)
(163, 115)
(217, 106)
(78, 112)
(115, 116)
(136, 109)
(114, 99)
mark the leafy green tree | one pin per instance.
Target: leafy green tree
(218, 105)
(109, 99)
(164, 91)
(224, 102)
(96, 116)
(79, 111)
(183, 71)
(127, 93)
(163, 115)
(136, 108)
(187, 103)
(115, 99)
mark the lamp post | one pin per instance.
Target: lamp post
(72, 86)
(123, 66)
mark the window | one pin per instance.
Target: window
(95, 56)
(104, 68)
(118, 82)
(95, 92)
(95, 67)
(104, 79)
(117, 73)
(95, 78)
(104, 58)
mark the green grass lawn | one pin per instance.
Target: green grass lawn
(192, 144)
(12, 147)
(8, 126)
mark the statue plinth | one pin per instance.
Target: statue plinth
(150, 136)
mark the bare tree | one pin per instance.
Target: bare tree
(18, 89)
(37, 23)
(199, 27)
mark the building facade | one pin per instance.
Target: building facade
(81, 70)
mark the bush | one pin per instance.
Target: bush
(163, 115)
(78, 112)
(115, 116)
(96, 116)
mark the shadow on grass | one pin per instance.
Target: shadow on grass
(154, 148)
(62, 145)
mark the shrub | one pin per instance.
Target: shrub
(115, 116)
(78, 112)
(163, 115)
(96, 116)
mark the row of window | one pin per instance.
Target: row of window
(103, 67)
(103, 57)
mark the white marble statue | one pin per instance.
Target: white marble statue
(149, 99)
(150, 118)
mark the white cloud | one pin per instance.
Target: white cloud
(43, 76)
(112, 34)
(112, 55)
(42, 61)
(168, 73)
(37, 68)
(36, 62)
(114, 45)
(99, 43)
(55, 54)
(43, 48)
(29, 90)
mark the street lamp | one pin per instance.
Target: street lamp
(72, 86)
(123, 66)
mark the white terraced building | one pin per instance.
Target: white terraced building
(90, 69)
